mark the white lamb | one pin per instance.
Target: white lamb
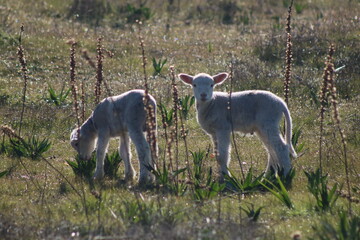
(251, 112)
(118, 116)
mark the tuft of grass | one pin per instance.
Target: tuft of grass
(318, 187)
(249, 184)
(204, 186)
(158, 65)
(279, 191)
(111, 164)
(81, 168)
(58, 99)
(347, 227)
(297, 131)
(32, 148)
(252, 213)
(185, 104)
(168, 181)
(4, 173)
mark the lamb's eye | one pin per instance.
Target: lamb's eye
(211, 85)
(194, 85)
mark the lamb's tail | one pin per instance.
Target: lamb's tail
(288, 132)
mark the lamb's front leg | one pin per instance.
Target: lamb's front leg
(101, 149)
(222, 146)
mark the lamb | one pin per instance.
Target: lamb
(118, 116)
(253, 111)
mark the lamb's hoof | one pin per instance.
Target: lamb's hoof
(130, 177)
(98, 176)
(146, 181)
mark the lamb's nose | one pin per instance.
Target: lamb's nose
(203, 95)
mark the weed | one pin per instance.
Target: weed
(299, 7)
(32, 148)
(347, 228)
(210, 190)
(297, 131)
(168, 181)
(318, 187)
(58, 99)
(72, 82)
(92, 11)
(167, 115)
(185, 104)
(158, 66)
(252, 213)
(288, 56)
(203, 191)
(24, 71)
(81, 168)
(175, 108)
(140, 13)
(4, 173)
(249, 184)
(279, 191)
(150, 113)
(112, 163)
(285, 179)
(99, 70)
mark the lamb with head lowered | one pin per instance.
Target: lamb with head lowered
(121, 116)
(252, 111)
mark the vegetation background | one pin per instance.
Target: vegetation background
(41, 198)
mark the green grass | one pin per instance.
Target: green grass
(192, 37)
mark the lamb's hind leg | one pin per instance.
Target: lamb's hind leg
(144, 154)
(277, 150)
(125, 154)
(101, 149)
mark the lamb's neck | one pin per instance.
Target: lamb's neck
(88, 127)
(204, 108)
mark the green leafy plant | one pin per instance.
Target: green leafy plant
(318, 187)
(167, 114)
(347, 228)
(168, 181)
(138, 211)
(112, 163)
(249, 184)
(83, 168)
(59, 99)
(3, 173)
(185, 104)
(286, 179)
(32, 148)
(252, 212)
(297, 131)
(279, 191)
(203, 191)
(158, 65)
(209, 190)
(141, 13)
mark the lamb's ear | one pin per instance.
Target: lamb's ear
(219, 78)
(188, 79)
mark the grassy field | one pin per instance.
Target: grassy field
(42, 198)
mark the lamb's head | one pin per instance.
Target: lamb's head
(203, 84)
(83, 145)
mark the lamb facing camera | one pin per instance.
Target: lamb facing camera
(253, 111)
(121, 116)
